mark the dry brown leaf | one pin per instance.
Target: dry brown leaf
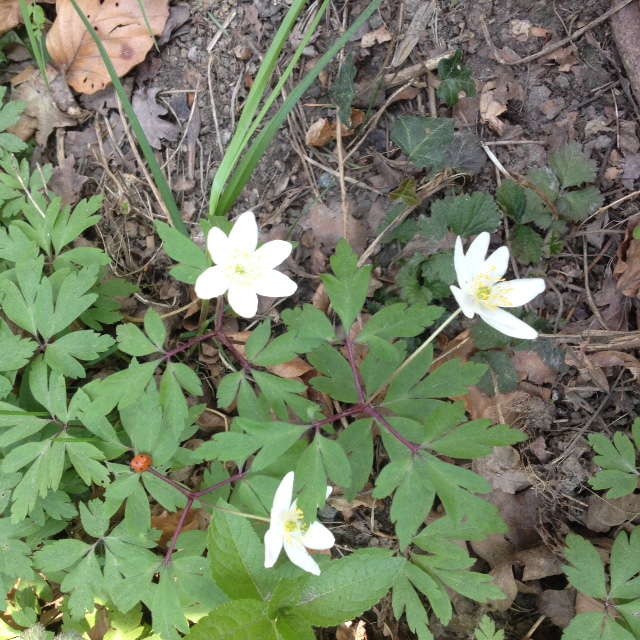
(503, 470)
(504, 580)
(10, 15)
(530, 365)
(167, 523)
(149, 111)
(122, 29)
(558, 606)
(42, 114)
(322, 132)
(66, 182)
(627, 269)
(293, 369)
(604, 514)
(491, 108)
(351, 631)
(375, 37)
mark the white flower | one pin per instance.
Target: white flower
(242, 270)
(288, 529)
(483, 290)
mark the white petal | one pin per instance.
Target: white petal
(508, 324)
(460, 264)
(275, 285)
(272, 546)
(218, 245)
(282, 499)
(244, 235)
(300, 556)
(329, 490)
(476, 254)
(211, 283)
(495, 266)
(466, 302)
(273, 253)
(243, 301)
(519, 292)
(318, 536)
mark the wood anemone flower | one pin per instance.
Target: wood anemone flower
(483, 290)
(242, 270)
(288, 529)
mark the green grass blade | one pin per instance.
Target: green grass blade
(260, 85)
(251, 159)
(34, 41)
(158, 176)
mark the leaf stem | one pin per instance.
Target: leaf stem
(415, 354)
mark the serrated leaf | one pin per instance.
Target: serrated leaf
(476, 439)
(258, 339)
(455, 78)
(625, 564)
(344, 590)
(180, 248)
(166, 610)
(451, 380)
(309, 322)
(15, 351)
(335, 461)
(311, 477)
(133, 341)
(527, 245)
(572, 166)
(467, 215)
(357, 443)
(406, 599)
(512, 199)
(60, 554)
(423, 140)
(577, 206)
(338, 379)
(487, 630)
(618, 459)
(281, 393)
(155, 328)
(236, 620)
(595, 626)
(85, 584)
(63, 354)
(69, 226)
(399, 321)
(237, 558)
(348, 288)
(587, 574)
(343, 90)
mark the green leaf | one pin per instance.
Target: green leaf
(572, 166)
(451, 380)
(618, 459)
(503, 370)
(577, 206)
(348, 288)
(64, 353)
(595, 626)
(487, 630)
(343, 91)
(625, 564)
(93, 519)
(132, 340)
(587, 573)
(467, 215)
(69, 227)
(85, 584)
(236, 620)
(455, 78)
(258, 340)
(344, 590)
(180, 248)
(405, 598)
(335, 461)
(229, 388)
(338, 381)
(155, 328)
(406, 192)
(311, 477)
(281, 393)
(423, 140)
(512, 199)
(15, 352)
(237, 559)
(309, 322)
(399, 321)
(166, 610)
(357, 443)
(527, 245)
(60, 554)
(476, 439)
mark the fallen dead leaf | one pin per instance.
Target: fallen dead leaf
(604, 514)
(149, 111)
(351, 631)
(42, 114)
(558, 606)
(167, 523)
(375, 37)
(322, 132)
(503, 470)
(530, 365)
(627, 269)
(503, 579)
(66, 182)
(293, 369)
(122, 29)
(10, 15)
(491, 108)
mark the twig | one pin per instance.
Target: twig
(587, 288)
(557, 45)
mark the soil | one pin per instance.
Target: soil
(577, 93)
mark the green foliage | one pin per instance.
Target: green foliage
(621, 591)
(569, 168)
(10, 114)
(455, 79)
(343, 91)
(618, 461)
(406, 192)
(423, 140)
(487, 630)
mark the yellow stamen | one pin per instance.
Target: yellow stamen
(294, 524)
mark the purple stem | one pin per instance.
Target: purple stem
(414, 448)
(354, 369)
(178, 531)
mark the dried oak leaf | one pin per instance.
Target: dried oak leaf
(122, 29)
(10, 15)
(149, 112)
(66, 182)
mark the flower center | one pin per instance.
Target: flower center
(294, 524)
(483, 293)
(243, 268)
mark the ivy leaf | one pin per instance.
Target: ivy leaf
(455, 78)
(343, 91)
(348, 288)
(423, 140)
(572, 166)
(406, 192)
